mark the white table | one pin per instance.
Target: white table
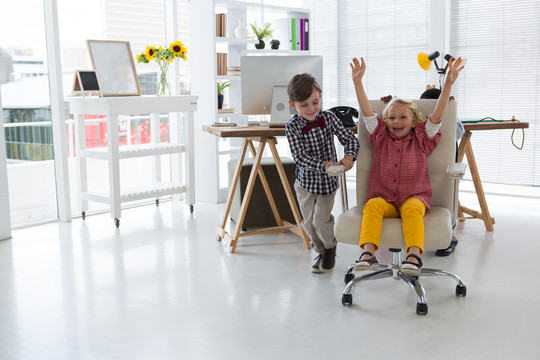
(112, 107)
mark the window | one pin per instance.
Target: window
(500, 41)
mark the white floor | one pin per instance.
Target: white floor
(162, 287)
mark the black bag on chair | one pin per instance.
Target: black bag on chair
(345, 114)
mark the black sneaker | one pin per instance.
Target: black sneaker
(325, 262)
(449, 250)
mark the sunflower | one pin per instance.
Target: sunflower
(150, 52)
(163, 58)
(176, 47)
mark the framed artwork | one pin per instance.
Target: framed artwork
(85, 82)
(114, 67)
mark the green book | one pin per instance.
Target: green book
(293, 33)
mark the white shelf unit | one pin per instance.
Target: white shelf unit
(112, 108)
(214, 152)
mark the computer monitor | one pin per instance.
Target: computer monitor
(264, 83)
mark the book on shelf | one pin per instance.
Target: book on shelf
(298, 36)
(282, 32)
(221, 25)
(293, 33)
(225, 110)
(234, 71)
(306, 34)
(221, 63)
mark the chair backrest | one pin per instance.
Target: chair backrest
(438, 161)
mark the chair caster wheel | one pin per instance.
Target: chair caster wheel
(83, 215)
(117, 223)
(421, 309)
(346, 299)
(461, 290)
(348, 278)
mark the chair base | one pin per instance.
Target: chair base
(394, 270)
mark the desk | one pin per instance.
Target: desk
(465, 148)
(112, 107)
(262, 135)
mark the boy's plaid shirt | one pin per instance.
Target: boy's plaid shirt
(312, 149)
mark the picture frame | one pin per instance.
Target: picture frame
(113, 63)
(85, 82)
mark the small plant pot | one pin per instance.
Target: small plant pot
(260, 45)
(274, 46)
(220, 101)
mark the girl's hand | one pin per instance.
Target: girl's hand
(358, 69)
(454, 68)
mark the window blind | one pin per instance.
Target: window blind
(500, 40)
(387, 34)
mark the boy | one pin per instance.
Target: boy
(310, 133)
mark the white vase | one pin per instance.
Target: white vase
(241, 31)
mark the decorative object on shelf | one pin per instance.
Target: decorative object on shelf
(274, 44)
(163, 57)
(241, 30)
(261, 33)
(220, 87)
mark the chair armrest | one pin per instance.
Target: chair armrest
(456, 170)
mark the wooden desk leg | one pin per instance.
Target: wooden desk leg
(247, 194)
(267, 190)
(344, 194)
(286, 186)
(232, 188)
(465, 148)
(460, 215)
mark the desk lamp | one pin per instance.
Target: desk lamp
(424, 60)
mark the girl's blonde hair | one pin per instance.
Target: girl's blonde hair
(417, 116)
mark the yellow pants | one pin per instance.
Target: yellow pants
(412, 218)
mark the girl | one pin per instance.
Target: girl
(399, 184)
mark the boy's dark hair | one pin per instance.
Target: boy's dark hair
(301, 86)
(431, 93)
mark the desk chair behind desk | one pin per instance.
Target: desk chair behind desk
(443, 174)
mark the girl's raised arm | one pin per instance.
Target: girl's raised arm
(358, 71)
(454, 68)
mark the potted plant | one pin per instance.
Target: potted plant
(274, 44)
(261, 33)
(220, 87)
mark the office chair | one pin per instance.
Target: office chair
(443, 172)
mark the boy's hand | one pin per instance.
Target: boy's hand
(348, 162)
(386, 99)
(327, 164)
(454, 68)
(358, 69)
